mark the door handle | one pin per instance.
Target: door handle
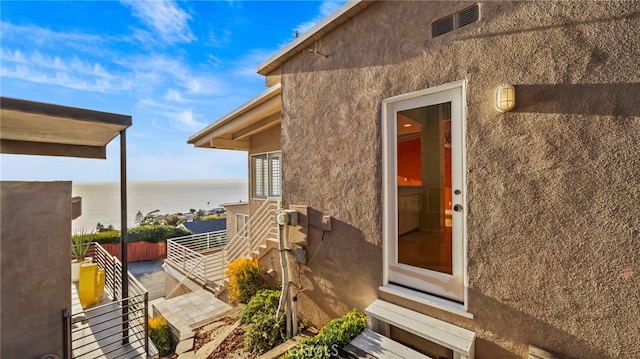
(457, 208)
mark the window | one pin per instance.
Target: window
(266, 176)
(241, 225)
(425, 191)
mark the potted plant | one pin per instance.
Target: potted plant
(80, 242)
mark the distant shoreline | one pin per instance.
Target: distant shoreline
(231, 180)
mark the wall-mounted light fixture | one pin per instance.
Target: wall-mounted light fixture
(505, 98)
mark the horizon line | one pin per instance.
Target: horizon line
(225, 180)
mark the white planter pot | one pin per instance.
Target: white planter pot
(75, 270)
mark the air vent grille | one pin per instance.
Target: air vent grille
(468, 16)
(442, 26)
(455, 21)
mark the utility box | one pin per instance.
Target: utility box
(298, 232)
(301, 255)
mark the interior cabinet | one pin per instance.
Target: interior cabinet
(408, 208)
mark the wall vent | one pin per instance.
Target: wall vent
(455, 21)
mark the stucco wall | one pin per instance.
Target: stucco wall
(36, 271)
(552, 187)
(232, 221)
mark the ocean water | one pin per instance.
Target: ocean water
(101, 201)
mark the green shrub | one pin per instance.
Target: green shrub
(107, 237)
(244, 279)
(80, 243)
(265, 300)
(152, 234)
(338, 333)
(265, 331)
(160, 335)
(212, 217)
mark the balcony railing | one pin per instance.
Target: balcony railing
(205, 256)
(116, 329)
(192, 254)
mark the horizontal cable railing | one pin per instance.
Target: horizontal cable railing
(114, 329)
(263, 225)
(203, 242)
(188, 253)
(113, 273)
(241, 245)
(205, 256)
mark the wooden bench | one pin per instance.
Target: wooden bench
(459, 340)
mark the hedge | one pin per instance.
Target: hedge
(263, 330)
(152, 234)
(332, 337)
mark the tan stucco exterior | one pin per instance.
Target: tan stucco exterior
(232, 210)
(552, 187)
(36, 267)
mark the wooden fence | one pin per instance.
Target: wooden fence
(139, 251)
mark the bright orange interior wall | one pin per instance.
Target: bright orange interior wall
(447, 178)
(410, 167)
(409, 163)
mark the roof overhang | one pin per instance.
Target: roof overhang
(307, 39)
(233, 131)
(36, 128)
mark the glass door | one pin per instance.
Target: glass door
(425, 179)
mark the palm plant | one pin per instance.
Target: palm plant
(80, 242)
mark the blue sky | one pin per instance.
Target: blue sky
(175, 66)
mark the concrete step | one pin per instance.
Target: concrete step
(187, 310)
(265, 247)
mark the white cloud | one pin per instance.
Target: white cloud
(39, 37)
(326, 8)
(174, 96)
(165, 18)
(65, 79)
(185, 120)
(159, 70)
(54, 70)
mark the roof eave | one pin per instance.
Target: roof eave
(238, 115)
(37, 128)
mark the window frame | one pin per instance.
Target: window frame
(262, 175)
(245, 219)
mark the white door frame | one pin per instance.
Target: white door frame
(454, 92)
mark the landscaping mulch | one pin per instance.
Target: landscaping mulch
(201, 338)
(232, 347)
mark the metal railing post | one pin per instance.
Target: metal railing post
(146, 323)
(66, 335)
(208, 242)
(113, 271)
